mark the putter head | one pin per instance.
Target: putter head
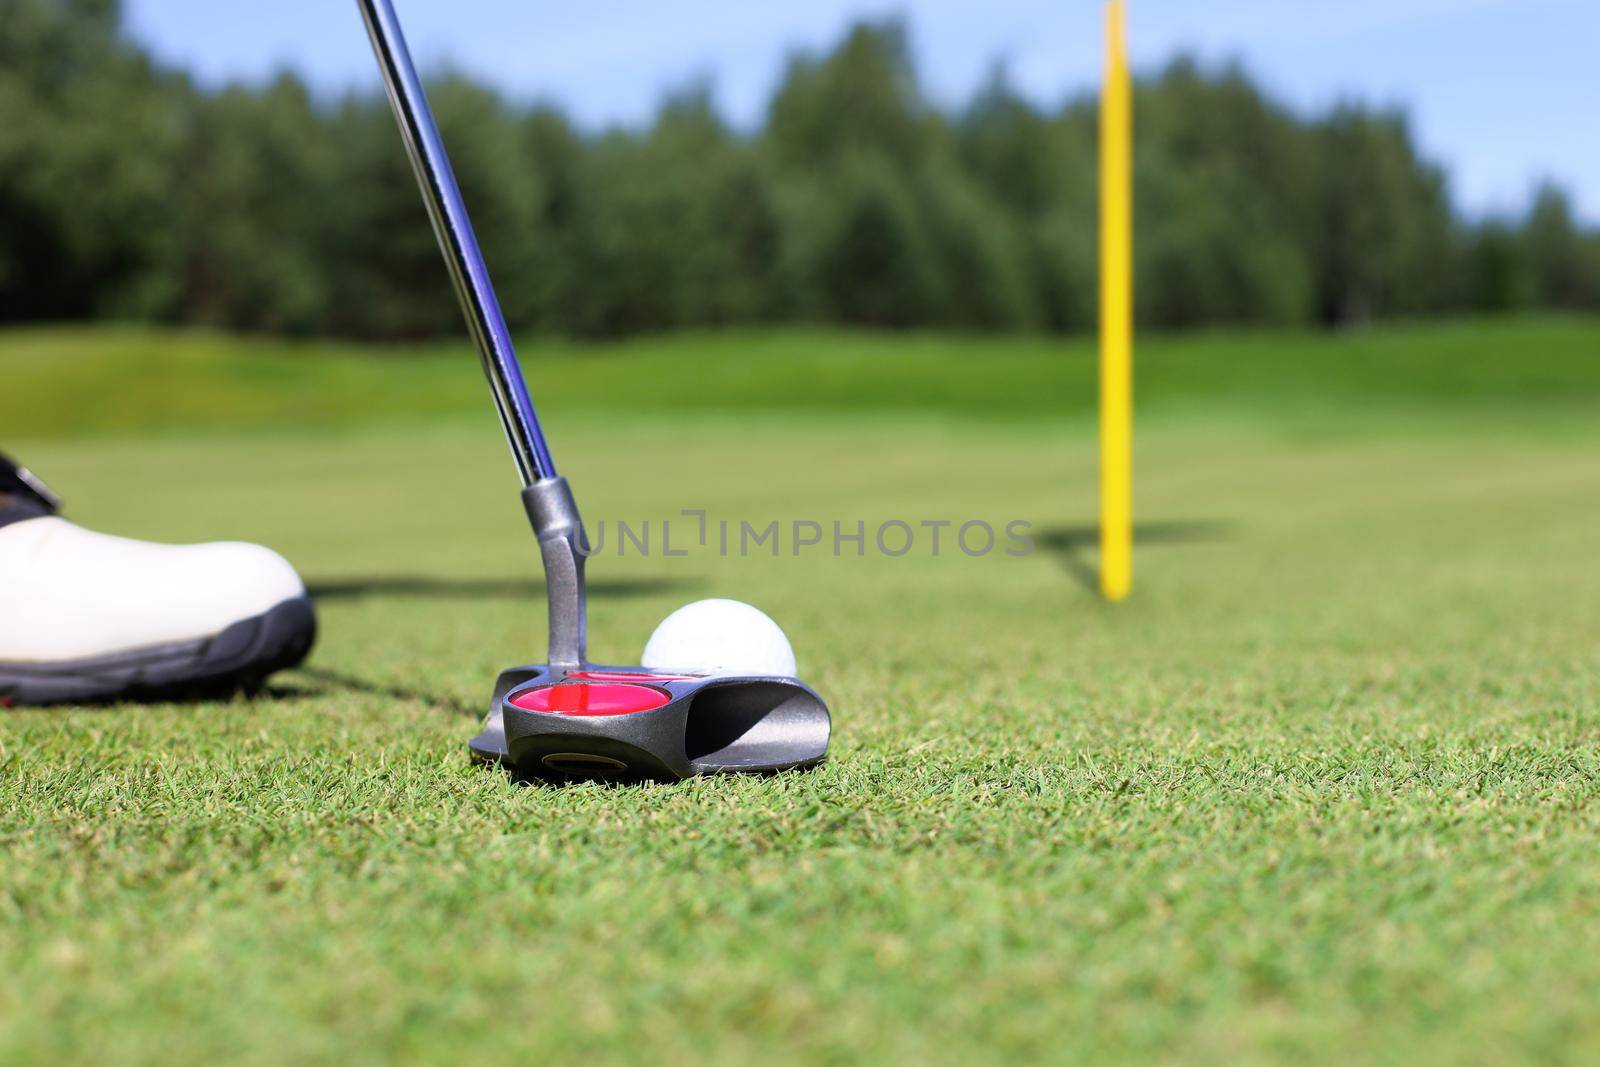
(628, 722)
(571, 719)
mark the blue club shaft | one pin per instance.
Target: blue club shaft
(459, 244)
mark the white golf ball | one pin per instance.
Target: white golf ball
(719, 637)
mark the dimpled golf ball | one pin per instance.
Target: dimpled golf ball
(719, 637)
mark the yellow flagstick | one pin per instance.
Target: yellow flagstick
(1116, 312)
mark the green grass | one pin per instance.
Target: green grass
(76, 381)
(1326, 789)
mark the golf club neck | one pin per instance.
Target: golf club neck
(459, 244)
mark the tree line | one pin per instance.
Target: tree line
(129, 192)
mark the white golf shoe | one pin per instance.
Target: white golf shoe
(88, 617)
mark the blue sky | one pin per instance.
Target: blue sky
(1501, 91)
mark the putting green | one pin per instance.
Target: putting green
(1323, 789)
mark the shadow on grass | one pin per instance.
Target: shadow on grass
(225, 692)
(563, 783)
(408, 585)
(1075, 546)
(558, 783)
(340, 680)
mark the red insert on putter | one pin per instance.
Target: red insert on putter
(591, 698)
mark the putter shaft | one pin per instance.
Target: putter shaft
(459, 244)
(545, 494)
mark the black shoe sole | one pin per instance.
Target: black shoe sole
(239, 657)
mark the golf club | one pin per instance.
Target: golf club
(566, 717)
